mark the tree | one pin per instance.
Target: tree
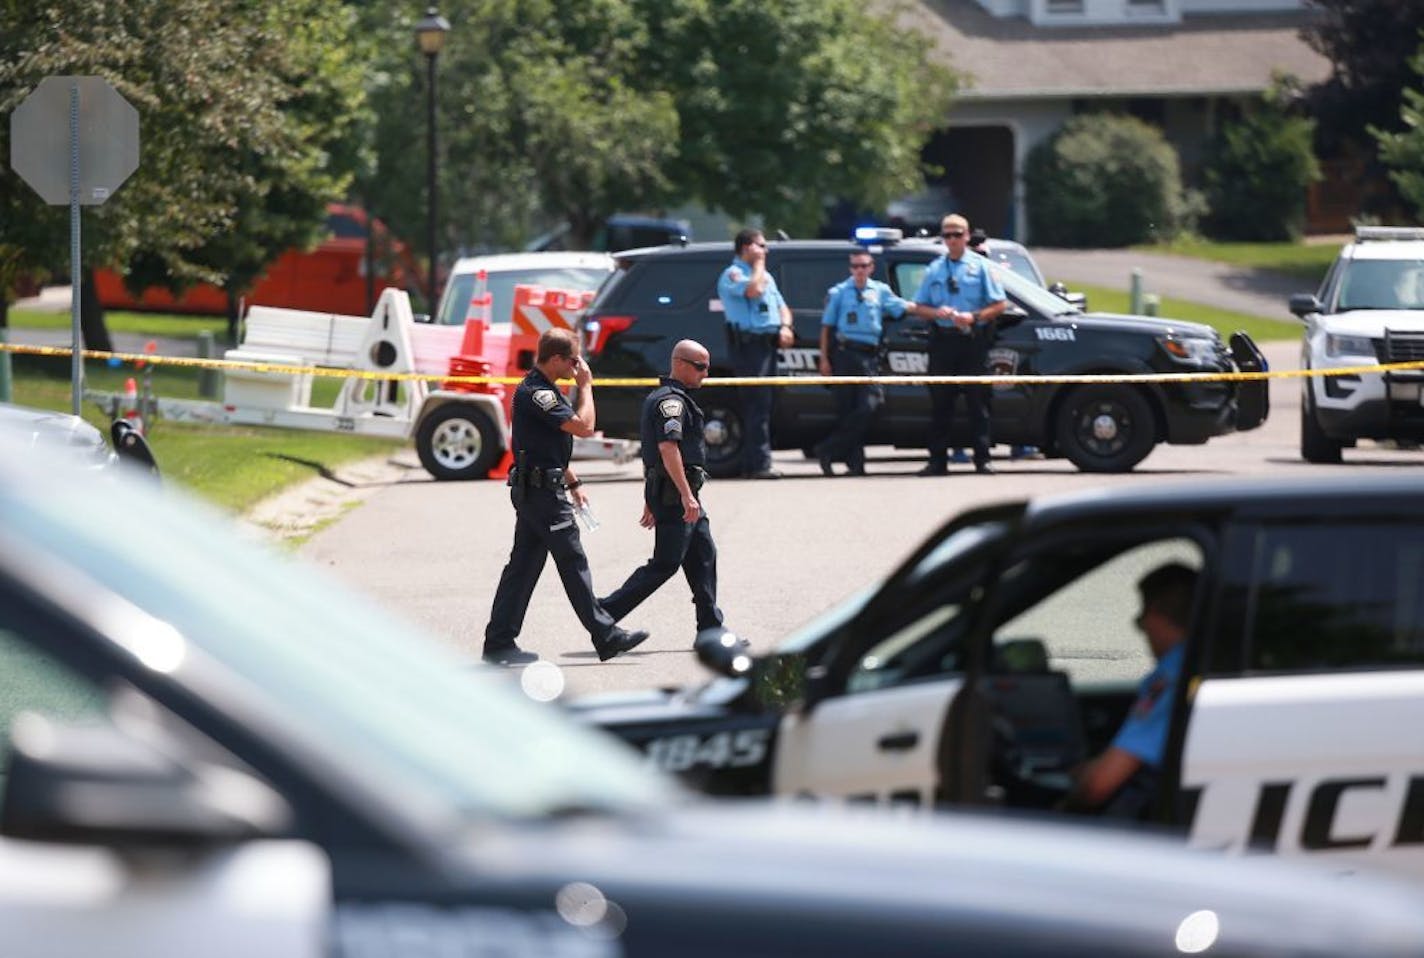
(1369, 44)
(1403, 151)
(242, 107)
(1103, 180)
(576, 109)
(1258, 169)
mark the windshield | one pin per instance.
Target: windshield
(1383, 284)
(1010, 257)
(454, 306)
(368, 694)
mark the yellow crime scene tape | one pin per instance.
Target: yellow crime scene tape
(897, 380)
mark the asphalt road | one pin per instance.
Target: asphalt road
(788, 549)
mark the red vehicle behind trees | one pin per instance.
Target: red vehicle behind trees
(338, 276)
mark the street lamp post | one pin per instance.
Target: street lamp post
(430, 35)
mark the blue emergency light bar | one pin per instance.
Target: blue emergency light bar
(873, 235)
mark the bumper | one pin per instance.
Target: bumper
(1370, 406)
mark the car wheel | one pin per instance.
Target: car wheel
(1105, 428)
(457, 441)
(1315, 446)
(722, 429)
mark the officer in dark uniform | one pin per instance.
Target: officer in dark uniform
(545, 492)
(854, 317)
(758, 322)
(674, 454)
(961, 297)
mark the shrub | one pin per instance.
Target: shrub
(1103, 180)
(1257, 171)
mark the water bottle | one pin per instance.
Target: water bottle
(586, 517)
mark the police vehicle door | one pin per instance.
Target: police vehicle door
(907, 408)
(1064, 663)
(871, 733)
(1305, 729)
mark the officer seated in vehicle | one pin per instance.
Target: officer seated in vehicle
(1121, 782)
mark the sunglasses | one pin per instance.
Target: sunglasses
(952, 234)
(861, 265)
(696, 364)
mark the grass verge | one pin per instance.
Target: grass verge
(169, 326)
(233, 467)
(1224, 321)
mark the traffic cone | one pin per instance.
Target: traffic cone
(130, 406)
(501, 471)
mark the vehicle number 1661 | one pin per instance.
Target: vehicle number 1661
(679, 753)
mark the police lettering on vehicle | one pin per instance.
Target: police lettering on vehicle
(800, 360)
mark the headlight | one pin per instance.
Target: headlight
(1189, 349)
(1337, 345)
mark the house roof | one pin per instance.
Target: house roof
(1010, 58)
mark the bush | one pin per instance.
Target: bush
(1257, 171)
(1103, 180)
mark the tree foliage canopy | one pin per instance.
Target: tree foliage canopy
(1369, 43)
(576, 109)
(1403, 151)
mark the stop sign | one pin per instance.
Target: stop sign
(40, 148)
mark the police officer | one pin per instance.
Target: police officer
(674, 456)
(545, 491)
(979, 243)
(854, 310)
(961, 297)
(758, 322)
(1122, 781)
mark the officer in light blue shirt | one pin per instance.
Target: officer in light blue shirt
(1121, 782)
(851, 328)
(758, 323)
(961, 297)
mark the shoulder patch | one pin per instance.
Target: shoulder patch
(670, 407)
(545, 399)
(734, 274)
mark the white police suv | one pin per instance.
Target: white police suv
(1369, 309)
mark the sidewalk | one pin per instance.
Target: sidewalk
(1252, 291)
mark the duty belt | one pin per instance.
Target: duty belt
(534, 477)
(744, 336)
(857, 347)
(696, 476)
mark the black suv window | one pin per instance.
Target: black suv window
(1342, 596)
(804, 281)
(671, 283)
(905, 278)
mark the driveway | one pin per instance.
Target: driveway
(1256, 292)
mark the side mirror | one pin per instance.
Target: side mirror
(1079, 300)
(723, 652)
(131, 447)
(95, 785)
(1303, 304)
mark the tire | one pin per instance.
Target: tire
(1315, 446)
(457, 442)
(722, 428)
(1105, 428)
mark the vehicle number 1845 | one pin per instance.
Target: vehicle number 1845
(679, 753)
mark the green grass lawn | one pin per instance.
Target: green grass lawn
(1224, 321)
(1308, 261)
(172, 326)
(232, 466)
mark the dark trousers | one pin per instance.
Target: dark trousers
(544, 525)
(953, 354)
(676, 544)
(755, 355)
(855, 407)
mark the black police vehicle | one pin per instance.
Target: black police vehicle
(660, 295)
(178, 695)
(1004, 651)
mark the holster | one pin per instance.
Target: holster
(663, 490)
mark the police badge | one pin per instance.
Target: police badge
(546, 399)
